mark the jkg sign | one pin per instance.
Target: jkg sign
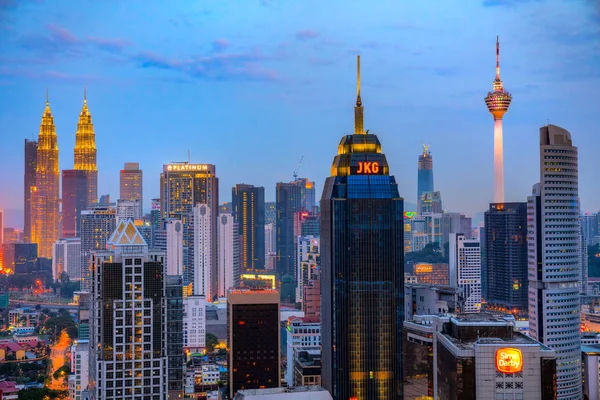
(368, 168)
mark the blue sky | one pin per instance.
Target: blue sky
(252, 86)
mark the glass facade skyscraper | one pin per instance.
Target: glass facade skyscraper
(362, 283)
(74, 200)
(425, 175)
(28, 184)
(248, 207)
(290, 199)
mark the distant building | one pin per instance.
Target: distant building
(174, 246)
(431, 300)
(270, 212)
(591, 371)
(128, 209)
(174, 335)
(205, 248)
(75, 188)
(301, 333)
(229, 255)
(20, 258)
(97, 225)
(311, 299)
(131, 185)
(425, 176)
(194, 324)
(290, 199)
(248, 206)
(66, 257)
(29, 185)
(432, 274)
(80, 358)
(253, 339)
(465, 269)
(297, 393)
(308, 263)
(431, 202)
(85, 151)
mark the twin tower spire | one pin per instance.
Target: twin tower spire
(359, 128)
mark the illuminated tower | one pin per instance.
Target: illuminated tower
(85, 151)
(425, 176)
(498, 102)
(46, 192)
(362, 278)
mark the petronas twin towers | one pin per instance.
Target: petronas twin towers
(45, 195)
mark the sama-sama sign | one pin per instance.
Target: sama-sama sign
(368, 168)
(509, 360)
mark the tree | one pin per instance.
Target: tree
(55, 325)
(64, 278)
(211, 342)
(37, 394)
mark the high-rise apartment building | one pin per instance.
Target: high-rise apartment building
(80, 359)
(129, 332)
(205, 247)
(248, 206)
(155, 214)
(183, 186)
(362, 278)
(28, 186)
(97, 225)
(270, 238)
(229, 264)
(74, 200)
(425, 176)
(308, 263)
(174, 332)
(465, 269)
(66, 257)
(45, 194)
(497, 103)
(290, 199)
(553, 236)
(131, 185)
(174, 249)
(128, 209)
(253, 339)
(194, 323)
(85, 151)
(506, 258)
(270, 212)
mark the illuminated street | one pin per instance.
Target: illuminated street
(58, 358)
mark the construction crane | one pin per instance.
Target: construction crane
(298, 169)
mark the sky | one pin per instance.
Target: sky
(253, 85)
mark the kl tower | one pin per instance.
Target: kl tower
(497, 103)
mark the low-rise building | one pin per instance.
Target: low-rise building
(307, 366)
(431, 299)
(25, 316)
(297, 393)
(210, 374)
(590, 355)
(8, 390)
(301, 333)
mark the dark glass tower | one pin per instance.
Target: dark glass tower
(290, 199)
(74, 200)
(506, 257)
(362, 271)
(30, 167)
(248, 206)
(425, 177)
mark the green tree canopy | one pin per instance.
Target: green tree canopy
(211, 342)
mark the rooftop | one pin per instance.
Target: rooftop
(297, 389)
(483, 318)
(591, 349)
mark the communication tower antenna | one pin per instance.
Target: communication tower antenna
(298, 169)
(425, 148)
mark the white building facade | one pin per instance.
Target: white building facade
(307, 264)
(203, 251)
(301, 332)
(66, 257)
(174, 259)
(194, 324)
(465, 269)
(80, 358)
(553, 240)
(131, 209)
(229, 255)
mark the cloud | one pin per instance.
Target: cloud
(220, 45)
(217, 66)
(306, 34)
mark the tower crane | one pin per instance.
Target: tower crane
(298, 168)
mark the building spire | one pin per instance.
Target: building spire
(497, 58)
(84, 95)
(358, 108)
(47, 96)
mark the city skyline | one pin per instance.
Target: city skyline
(301, 107)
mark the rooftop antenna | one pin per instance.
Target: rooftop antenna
(189, 158)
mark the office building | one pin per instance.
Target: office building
(97, 225)
(481, 356)
(183, 186)
(309, 193)
(465, 269)
(174, 247)
(421, 299)
(297, 393)
(425, 176)
(307, 366)
(194, 323)
(554, 259)
(66, 257)
(591, 371)
(205, 264)
(362, 278)
(431, 202)
(506, 258)
(432, 274)
(145, 228)
(270, 238)
(74, 200)
(308, 263)
(20, 258)
(45, 194)
(248, 208)
(84, 306)
(307, 224)
(289, 201)
(80, 359)
(253, 339)
(28, 186)
(174, 333)
(497, 103)
(128, 209)
(311, 299)
(590, 224)
(155, 215)
(131, 185)
(270, 212)
(128, 342)
(105, 200)
(85, 151)
(302, 333)
(229, 254)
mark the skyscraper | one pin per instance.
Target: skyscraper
(248, 206)
(174, 250)
(425, 176)
(131, 184)
(554, 259)
(128, 342)
(506, 257)
(183, 186)
(28, 185)
(229, 265)
(74, 200)
(253, 339)
(497, 103)
(205, 247)
(66, 257)
(289, 201)
(362, 279)
(97, 225)
(46, 193)
(85, 151)
(465, 269)
(174, 330)
(270, 212)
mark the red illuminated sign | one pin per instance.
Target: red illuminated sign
(366, 168)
